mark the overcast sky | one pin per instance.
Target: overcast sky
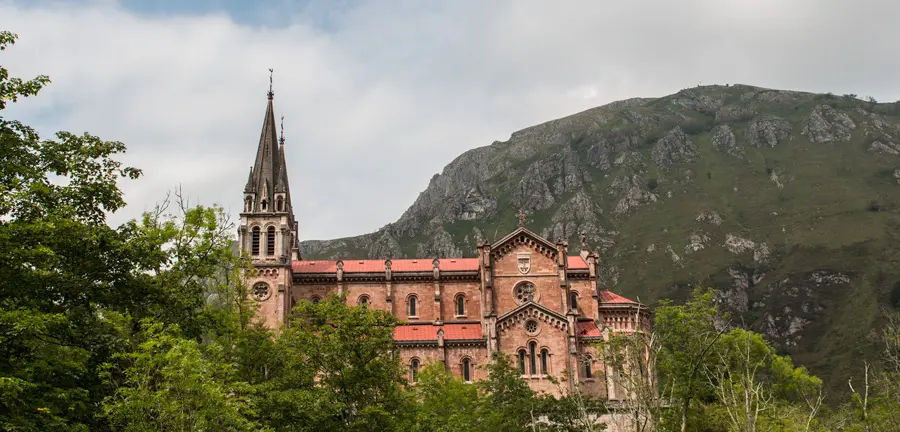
(379, 95)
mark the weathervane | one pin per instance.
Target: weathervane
(281, 140)
(271, 93)
(521, 216)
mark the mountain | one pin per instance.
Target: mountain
(788, 203)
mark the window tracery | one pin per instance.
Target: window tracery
(525, 292)
(261, 291)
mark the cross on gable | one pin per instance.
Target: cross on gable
(521, 216)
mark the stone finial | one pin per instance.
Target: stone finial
(521, 217)
(387, 264)
(281, 138)
(436, 263)
(583, 237)
(271, 94)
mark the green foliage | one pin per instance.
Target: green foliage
(333, 368)
(688, 336)
(447, 403)
(168, 383)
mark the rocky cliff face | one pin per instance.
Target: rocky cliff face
(785, 202)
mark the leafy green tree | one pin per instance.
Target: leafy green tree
(61, 268)
(760, 389)
(512, 405)
(170, 384)
(447, 403)
(335, 368)
(687, 335)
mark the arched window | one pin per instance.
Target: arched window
(270, 241)
(315, 299)
(532, 351)
(279, 204)
(467, 373)
(263, 205)
(587, 368)
(248, 204)
(364, 301)
(573, 300)
(544, 355)
(412, 306)
(254, 241)
(414, 370)
(522, 362)
(460, 305)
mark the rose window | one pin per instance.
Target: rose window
(261, 290)
(525, 292)
(531, 326)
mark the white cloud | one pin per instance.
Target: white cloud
(395, 90)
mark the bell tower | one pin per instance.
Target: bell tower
(268, 229)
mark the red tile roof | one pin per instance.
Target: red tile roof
(587, 328)
(611, 297)
(428, 332)
(402, 265)
(375, 266)
(577, 263)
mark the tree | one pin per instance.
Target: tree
(334, 368)
(757, 387)
(447, 403)
(62, 269)
(73, 289)
(170, 384)
(630, 361)
(511, 404)
(687, 335)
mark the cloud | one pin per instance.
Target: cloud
(378, 96)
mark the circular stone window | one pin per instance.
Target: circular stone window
(261, 291)
(525, 292)
(531, 327)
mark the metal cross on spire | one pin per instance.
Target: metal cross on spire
(521, 216)
(281, 139)
(271, 93)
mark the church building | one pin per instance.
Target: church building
(524, 296)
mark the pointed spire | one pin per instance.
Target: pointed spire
(249, 187)
(268, 160)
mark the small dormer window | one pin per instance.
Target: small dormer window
(263, 205)
(279, 204)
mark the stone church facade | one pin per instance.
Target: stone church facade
(524, 296)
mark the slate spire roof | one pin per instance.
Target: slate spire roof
(268, 175)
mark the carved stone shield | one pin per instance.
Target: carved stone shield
(524, 263)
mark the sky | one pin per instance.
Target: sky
(378, 96)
